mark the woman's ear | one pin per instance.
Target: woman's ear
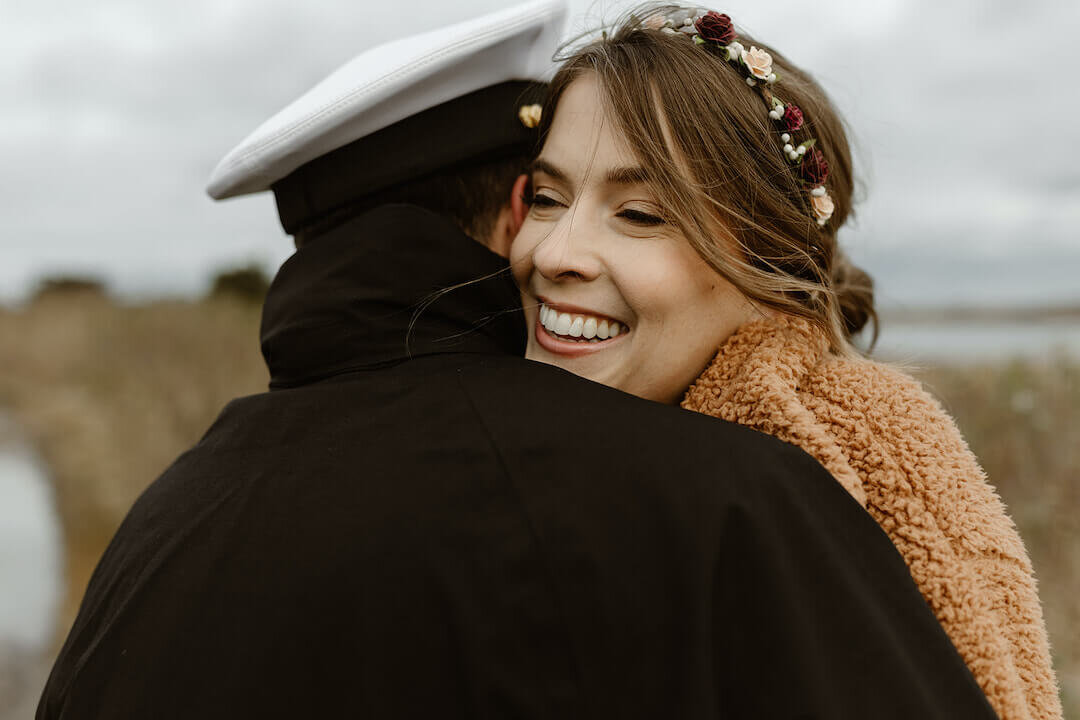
(519, 208)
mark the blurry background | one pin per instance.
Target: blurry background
(129, 302)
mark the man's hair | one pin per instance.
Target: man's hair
(470, 196)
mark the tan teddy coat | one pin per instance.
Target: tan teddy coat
(900, 456)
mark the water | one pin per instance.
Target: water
(29, 544)
(983, 341)
(30, 573)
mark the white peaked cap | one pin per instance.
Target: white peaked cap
(391, 82)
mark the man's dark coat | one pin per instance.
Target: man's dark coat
(416, 523)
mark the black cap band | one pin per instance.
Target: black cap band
(474, 127)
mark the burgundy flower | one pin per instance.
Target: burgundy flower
(792, 118)
(813, 168)
(715, 27)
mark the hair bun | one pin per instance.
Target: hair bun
(854, 290)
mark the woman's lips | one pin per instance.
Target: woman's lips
(569, 332)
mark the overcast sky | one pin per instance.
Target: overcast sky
(114, 113)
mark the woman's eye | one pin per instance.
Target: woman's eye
(539, 200)
(640, 218)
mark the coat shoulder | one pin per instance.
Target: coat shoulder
(898, 435)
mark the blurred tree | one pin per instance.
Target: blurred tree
(68, 285)
(248, 283)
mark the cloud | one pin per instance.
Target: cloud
(119, 109)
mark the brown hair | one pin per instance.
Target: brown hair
(658, 85)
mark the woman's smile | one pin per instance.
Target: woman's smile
(571, 331)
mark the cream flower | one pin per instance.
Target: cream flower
(654, 22)
(530, 115)
(758, 61)
(823, 207)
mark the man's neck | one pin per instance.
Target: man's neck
(394, 283)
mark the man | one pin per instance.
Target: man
(416, 522)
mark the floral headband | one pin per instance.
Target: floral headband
(715, 30)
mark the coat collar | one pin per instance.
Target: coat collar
(393, 283)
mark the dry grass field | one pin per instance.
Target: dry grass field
(112, 393)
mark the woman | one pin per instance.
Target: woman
(686, 198)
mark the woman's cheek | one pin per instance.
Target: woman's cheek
(521, 251)
(652, 280)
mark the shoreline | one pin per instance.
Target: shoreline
(981, 315)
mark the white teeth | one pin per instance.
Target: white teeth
(563, 323)
(578, 326)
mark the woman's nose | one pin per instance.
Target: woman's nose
(568, 252)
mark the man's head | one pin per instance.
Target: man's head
(475, 197)
(437, 120)
(459, 159)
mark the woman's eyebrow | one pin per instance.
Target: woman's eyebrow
(542, 165)
(635, 175)
(627, 175)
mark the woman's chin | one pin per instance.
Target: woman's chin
(608, 361)
(603, 370)
(593, 366)
(589, 365)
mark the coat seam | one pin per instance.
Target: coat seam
(531, 526)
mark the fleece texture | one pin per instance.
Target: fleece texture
(897, 452)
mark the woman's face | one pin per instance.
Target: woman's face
(611, 291)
